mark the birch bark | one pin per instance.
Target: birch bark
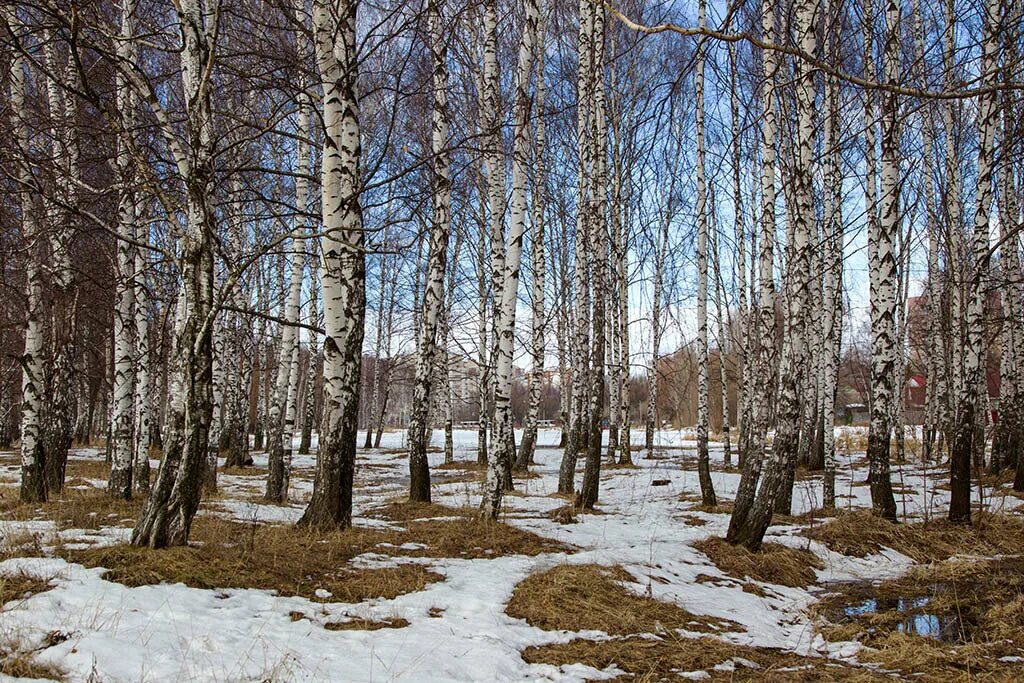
(343, 267)
(969, 400)
(119, 484)
(500, 464)
(33, 488)
(437, 259)
(883, 281)
(707, 490)
(538, 321)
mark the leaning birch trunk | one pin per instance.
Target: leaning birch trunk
(883, 283)
(166, 518)
(57, 428)
(650, 422)
(743, 527)
(935, 362)
(378, 365)
(343, 268)
(974, 367)
(33, 489)
(538, 322)
(500, 464)
(742, 369)
(721, 313)
(437, 259)
(832, 319)
(954, 237)
(313, 364)
(580, 344)
(119, 484)
(707, 490)
(287, 370)
(141, 441)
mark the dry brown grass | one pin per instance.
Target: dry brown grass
(862, 533)
(983, 599)
(87, 469)
(774, 563)
(366, 624)
(288, 560)
(293, 561)
(20, 665)
(76, 509)
(244, 471)
(589, 596)
(15, 588)
(662, 659)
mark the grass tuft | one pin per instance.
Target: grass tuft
(774, 563)
(589, 596)
(861, 534)
(366, 624)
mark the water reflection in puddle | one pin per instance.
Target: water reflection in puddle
(914, 620)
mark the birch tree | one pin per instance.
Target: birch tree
(707, 490)
(33, 488)
(499, 465)
(437, 259)
(343, 267)
(882, 265)
(120, 482)
(166, 518)
(538, 322)
(968, 400)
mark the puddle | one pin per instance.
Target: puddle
(910, 615)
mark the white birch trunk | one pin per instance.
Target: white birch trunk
(969, 401)
(500, 464)
(707, 490)
(882, 265)
(437, 260)
(119, 484)
(343, 267)
(33, 488)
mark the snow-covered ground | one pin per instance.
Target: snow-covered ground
(458, 629)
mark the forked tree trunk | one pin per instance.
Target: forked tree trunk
(166, 518)
(744, 526)
(59, 408)
(743, 418)
(580, 366)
